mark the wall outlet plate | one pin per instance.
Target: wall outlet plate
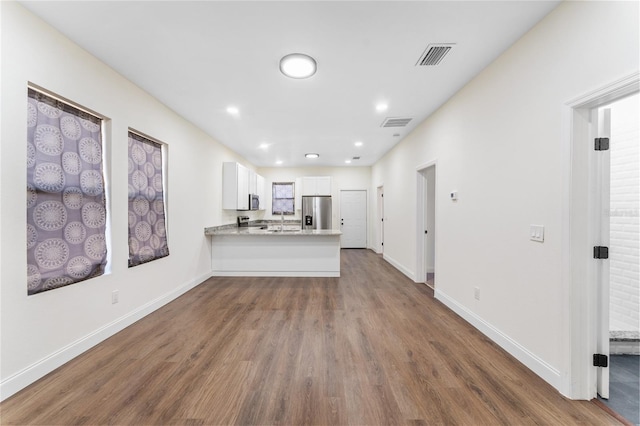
(115, 297)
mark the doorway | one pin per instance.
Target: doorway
(353, 218)
(426, 225)
(620, 318)
(380, 198)
(585, 267)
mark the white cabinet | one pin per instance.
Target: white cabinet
(298, 194)
(316, 185)
(261, 191)
(235, 186)
(256, 186)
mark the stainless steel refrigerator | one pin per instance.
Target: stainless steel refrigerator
(316, 212)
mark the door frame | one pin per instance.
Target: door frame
(579, 287)
(421, 207)
(380, 221)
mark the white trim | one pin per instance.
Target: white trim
(421, 267)
(427, 165)
(577, 334)
(275, 274)
(522, 354)
(607, 93)
(420, 213)
(400, 267)
(379, 248)
(39, 369)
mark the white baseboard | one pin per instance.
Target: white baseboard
(400, 267)
(530, 360)
(37, 370)
(275, 274)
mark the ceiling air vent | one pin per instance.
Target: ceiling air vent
(356, 158)
(433, 54)
(395, 122)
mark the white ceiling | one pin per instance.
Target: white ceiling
(200, 57)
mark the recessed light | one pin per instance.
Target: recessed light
(298, 65)
(382, 107)
(312, 155)
(279, 162)
(233, 110)
(264, 145)
(358, 143)
(347, 161)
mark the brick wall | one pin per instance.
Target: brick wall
(625, 224)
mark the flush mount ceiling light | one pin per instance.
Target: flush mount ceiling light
(298, 65)
(347, 161)
(264, 146)
(312, 155)
(279, 162)
(358, 143)
(233, 110)
(382, 107)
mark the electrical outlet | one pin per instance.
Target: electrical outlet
(476, 293)
(114, 297)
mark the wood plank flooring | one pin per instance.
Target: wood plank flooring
(369, 348)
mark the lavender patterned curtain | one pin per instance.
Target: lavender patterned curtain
(147, 232)
(66, 208)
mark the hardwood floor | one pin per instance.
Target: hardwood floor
(369, 348)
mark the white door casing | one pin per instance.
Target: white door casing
(426, 217)
(579, 289)
(600, 209)
(353, 218)
(380, 198)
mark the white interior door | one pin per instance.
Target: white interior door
(353, 219)
(601, 118)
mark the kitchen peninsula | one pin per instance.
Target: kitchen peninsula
(274, 251)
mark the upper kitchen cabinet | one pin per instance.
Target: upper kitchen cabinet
(256, 186)
(316, 185)
(235, 186)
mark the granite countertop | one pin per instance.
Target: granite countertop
(290, 228)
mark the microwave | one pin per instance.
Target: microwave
(254, 202)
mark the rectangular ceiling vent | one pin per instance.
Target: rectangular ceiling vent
(356, 158)
(395, 122)
(433, 54)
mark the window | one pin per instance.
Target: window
(147, 226)
(66, 204)
(283, 200)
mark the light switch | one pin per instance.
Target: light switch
(536, 233)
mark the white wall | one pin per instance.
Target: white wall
(40, 332)
(342, 178)
(624, 253)
(498, 142)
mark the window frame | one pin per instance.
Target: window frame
(164, 151)
(80, 111)
(293, 199)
